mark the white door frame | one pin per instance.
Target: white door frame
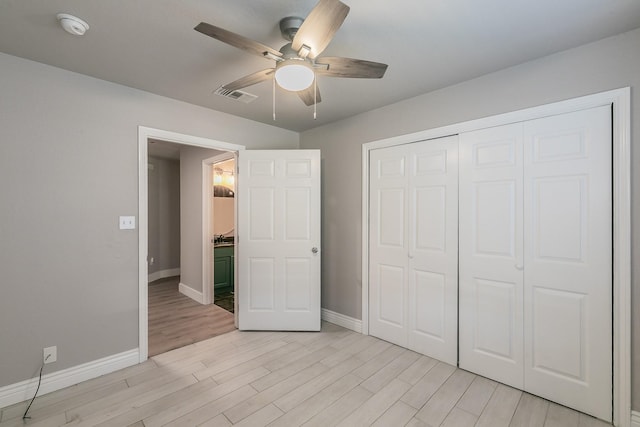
(144, 134)
(207, 226)
(621, 123)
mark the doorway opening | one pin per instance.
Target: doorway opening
(223, 230)
(195, 260)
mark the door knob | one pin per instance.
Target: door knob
(519, 267)
(314, 250)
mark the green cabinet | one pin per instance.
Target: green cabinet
(223, 267)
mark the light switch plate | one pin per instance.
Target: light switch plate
(127, 223)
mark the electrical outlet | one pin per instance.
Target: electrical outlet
(127, 223)
(50, 354)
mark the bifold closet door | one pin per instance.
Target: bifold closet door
(536, 257)
(568, 260)
(414, 246)
(491, 263)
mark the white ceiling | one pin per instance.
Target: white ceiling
(428, 44)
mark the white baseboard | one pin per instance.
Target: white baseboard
(161, 274)
(342, 320)
(24, 390)
(635, 419)
(191, 293)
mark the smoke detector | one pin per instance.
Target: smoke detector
(72, 24)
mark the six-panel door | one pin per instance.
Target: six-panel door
(413, 247)
(279, 240)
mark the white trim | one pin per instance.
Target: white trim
(191, 293)
(635, 419)
(207, 224)
(341, 320)
(144, 134)
(161, 274)
(24, 390)
(621, 101)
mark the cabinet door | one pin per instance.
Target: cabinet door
(491, 265)
(568, 260)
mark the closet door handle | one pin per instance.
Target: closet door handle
(519, 267)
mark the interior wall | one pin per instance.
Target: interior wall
(604, 65)
(191, 214)
(164, 214)
(68, 169)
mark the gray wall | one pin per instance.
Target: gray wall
(191, 214)
(68, 169)
(164, 214)
(608, 64)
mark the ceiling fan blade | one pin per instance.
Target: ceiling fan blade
(307, 95)
(320, 26)
(251, 79)
(236, 40)
(348, 67)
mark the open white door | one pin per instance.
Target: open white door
(278, 232)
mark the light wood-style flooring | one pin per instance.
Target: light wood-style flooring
(176, 320)
(334, 377)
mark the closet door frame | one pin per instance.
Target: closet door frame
(620, 101)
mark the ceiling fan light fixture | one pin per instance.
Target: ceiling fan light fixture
(294, 75)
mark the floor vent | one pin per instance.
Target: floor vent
(237, 95)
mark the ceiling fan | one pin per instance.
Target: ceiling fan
(297, 62)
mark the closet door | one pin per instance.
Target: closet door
(568, 260)
(413, 247)
(433, 248)
(491, 264)
(388, 245)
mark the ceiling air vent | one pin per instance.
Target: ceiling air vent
(237, 95)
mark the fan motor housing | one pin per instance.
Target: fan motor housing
(289, 26)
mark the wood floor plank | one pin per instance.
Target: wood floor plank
(219, 421)
(261, 417)
(120, 397)
(589, 421)
(270, 395)
(291, 369)
(261, 360)
(238, 359)
(459, 418)
(379, 361)
(422, 391)
(316, 403)
(141, 411)
(336, 412)
(397, 415)
(500, 408)
(477, 395)
(48, 421)
(560, 416)
(182, 408)
(438, 407)
(377, 405)
(531, 412)
(390, 371)
(310, 388)
(208, 411)
(102, 415)
(417, 370)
